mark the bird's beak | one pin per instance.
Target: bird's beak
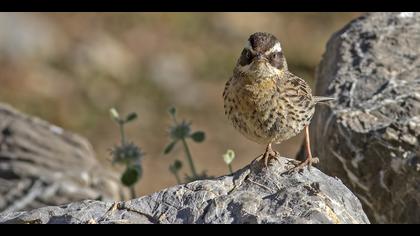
(259, 60)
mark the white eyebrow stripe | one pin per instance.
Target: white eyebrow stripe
(275, 48)
(249, 46)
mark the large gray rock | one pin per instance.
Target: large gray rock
(251, 195)
(41, 165)
(370, 137)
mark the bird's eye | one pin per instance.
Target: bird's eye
(248, 54)
(246, 57)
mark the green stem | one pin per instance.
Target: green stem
(132, 192)
(230, 168)
(174, 118)
(178, 180)
(121, 124)
(189, 158)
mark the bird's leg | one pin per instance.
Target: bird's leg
(269, 153)
(309, 159)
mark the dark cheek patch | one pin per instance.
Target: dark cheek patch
(246, 58)
(277, 62)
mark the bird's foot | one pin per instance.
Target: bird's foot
(268, 156)
(308, 162)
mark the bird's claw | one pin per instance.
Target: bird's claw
(308, 162)
(268, 156)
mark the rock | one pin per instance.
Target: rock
(250, 195)
(25, 38)
(41, 165)
(370, 136)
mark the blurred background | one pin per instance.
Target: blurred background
(69, 69)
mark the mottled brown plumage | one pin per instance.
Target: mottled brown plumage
(263, 100)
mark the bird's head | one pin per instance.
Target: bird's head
(261, 56)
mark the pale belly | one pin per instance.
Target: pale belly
(266, 117)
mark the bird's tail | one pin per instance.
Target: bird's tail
(319, 99)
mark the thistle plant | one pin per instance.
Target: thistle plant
(179, 132)
(228, 158)
(175, 168)
(127, 153)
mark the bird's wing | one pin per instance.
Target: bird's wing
(296, 90)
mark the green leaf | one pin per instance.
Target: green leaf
(229, 156)
(114, 114)
(130, 176)
(177, 165)
(172, 111)
(169, 147)
(139, 170)
(198, 136)
(131, 117)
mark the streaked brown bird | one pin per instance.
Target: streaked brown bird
(267, 103)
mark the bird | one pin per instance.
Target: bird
(266, 102)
